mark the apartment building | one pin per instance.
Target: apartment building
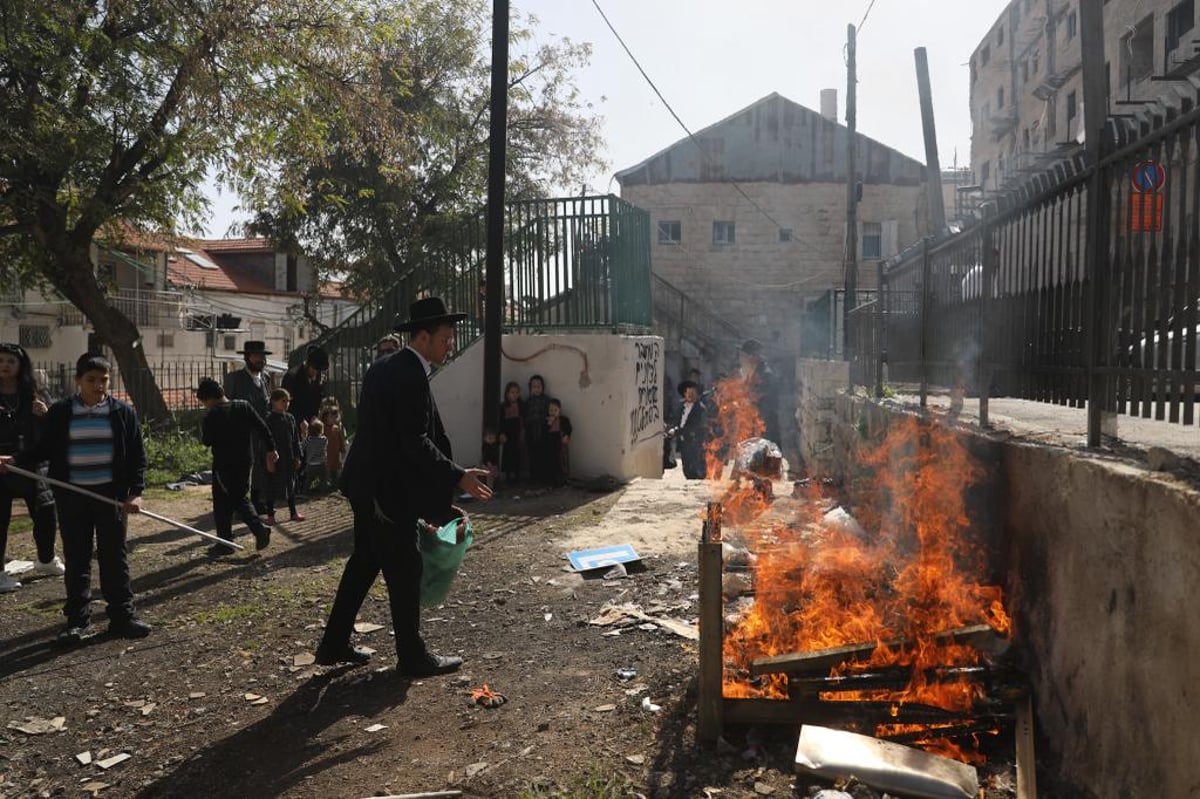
(1026, 77)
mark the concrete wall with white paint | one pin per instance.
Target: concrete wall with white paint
(610, 386)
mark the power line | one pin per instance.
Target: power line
(703, 153)
(866, 14)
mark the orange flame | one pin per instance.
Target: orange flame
(923, 573)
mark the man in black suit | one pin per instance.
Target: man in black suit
(691, 431)
(253, 384)
(399, 473)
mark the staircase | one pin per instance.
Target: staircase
(691, 331)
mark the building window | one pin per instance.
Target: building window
(229, 343)
(1180, 20)
(1072, 108)
(872, 240)
(785, 234)
(34, 337)
(670, 232)
(985, 55)
(723, 232)
(1000, 98)
(166, 340)
(1072, 25)
(1137, 52)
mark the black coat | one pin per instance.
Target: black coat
(306, 394)
(239, 385)
(129, 454)
(400, 458)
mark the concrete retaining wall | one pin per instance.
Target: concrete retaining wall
(610, 386)
(1102, 564)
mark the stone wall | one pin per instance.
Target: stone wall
(1100, 562)
(817, 386)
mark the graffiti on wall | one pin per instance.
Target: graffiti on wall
(646, 410)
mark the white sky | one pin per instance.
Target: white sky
(710, 58)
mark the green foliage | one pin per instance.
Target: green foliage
(171, 453)
(889, 392)
(402, 166)
(595, 785)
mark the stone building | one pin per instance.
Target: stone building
(748, 221)
(1026, 77)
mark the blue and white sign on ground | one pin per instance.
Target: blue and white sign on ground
(587, 559)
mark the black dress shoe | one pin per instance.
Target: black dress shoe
(262, 538)
(429, 665)
(329, 656)
(220, 550)
(129, 628)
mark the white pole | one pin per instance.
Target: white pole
(117, 504)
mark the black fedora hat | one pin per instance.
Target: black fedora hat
(685, 385)
(429, 311)
(316, 357)
(254, 348)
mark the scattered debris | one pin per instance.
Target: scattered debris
(604, 708)
(93, 787)
(486, 697)
(884, 765)
(636, 760)
(626, 615)
(197, 695)
(475, 768)
(84, 758)
(649, 706)
(616, 572)
(376, 727)
(304, 659)
(36, 725)
(364, 627)
(109, 762)
(762, 789)
(624, 675)
(15, 567)
(588, 559)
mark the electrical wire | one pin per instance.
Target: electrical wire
(703, 153)
(866, 14)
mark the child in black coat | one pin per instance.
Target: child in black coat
(537, 407)
(556, 446)
(228, 428)
(281, 486)
(512, 419)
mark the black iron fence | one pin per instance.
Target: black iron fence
(1017, 306)
(575, 263)
(176, 379)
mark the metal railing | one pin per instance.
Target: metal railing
(177, 379)
(1014, 307)
(680, 318)
(575, 263)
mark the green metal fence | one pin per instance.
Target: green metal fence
(570, 264)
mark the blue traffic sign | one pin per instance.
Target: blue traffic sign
(587, 559)
(1149, 176)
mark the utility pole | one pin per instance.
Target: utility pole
(494, 269)
(1096, 143)
(933, 165)
(851, 266)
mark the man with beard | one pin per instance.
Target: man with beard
(253, 385)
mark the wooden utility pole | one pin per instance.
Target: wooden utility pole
(851, 266)
(1097, 146)
(494, 269)
(933, 165)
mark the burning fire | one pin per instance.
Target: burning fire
(820, 586)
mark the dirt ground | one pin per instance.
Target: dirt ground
(219, 701)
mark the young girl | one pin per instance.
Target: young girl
(537, 408)
(316, 451)
(512, 415)
(282, 484)
(558, 437)
(335, 452)
(21, 414)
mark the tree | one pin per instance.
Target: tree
(402, 173)
(114, 110)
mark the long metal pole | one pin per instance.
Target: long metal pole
(494, 276)
(851, 197)
(1095, 120)
(116, 503)
(933, 165)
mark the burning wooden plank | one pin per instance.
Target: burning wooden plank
(897, 678)
(979, 636)
(834, 754)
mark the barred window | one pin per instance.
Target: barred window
(34, 337)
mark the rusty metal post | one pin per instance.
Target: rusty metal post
(712, 629)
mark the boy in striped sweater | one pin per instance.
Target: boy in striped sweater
(93, 440)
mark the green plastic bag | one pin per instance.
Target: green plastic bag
(441, 555)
